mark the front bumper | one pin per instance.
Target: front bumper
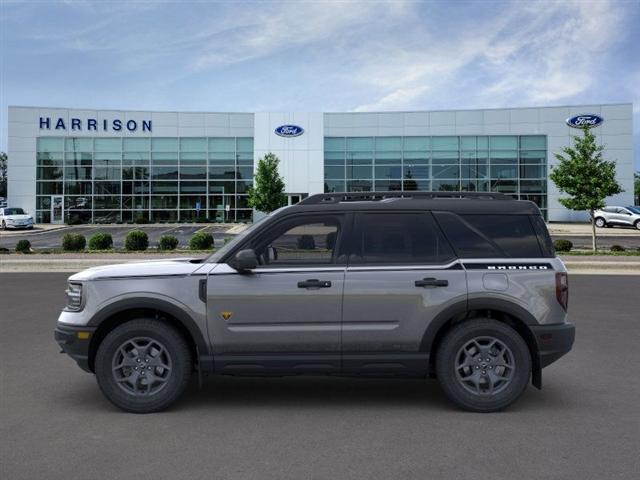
(75, 341)
(553, 341)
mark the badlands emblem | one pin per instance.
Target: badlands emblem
(226, 315)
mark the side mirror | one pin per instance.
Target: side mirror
(245, 260)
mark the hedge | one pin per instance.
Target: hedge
(167, 242)
(73, 242)
(136, 240)
(201, 241)
(101, 241)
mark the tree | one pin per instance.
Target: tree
(585, 176)
(3, 174)
(636, 188)
(267, 193)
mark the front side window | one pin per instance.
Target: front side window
(302, 241)
(398, 238)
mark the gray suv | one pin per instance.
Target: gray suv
(462, 287)
(621, 216)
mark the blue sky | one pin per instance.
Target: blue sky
(318, 56)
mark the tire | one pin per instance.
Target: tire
(478, 398)
(4, 225)
(600, 222)
(637, 224)
(148, 342)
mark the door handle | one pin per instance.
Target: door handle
(432, 282)
(314, 283)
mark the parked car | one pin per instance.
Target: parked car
(3, 202)
(621, 216)
(463, 287)
(15, 218)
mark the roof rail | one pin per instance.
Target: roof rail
(378, 196)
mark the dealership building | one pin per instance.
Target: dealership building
(107, 166)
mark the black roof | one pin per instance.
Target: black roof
(457, 202)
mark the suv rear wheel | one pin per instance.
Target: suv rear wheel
(143, 365)
(483, 365)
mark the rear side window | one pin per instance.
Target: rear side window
(490, 236)
(544, 239)
(398, 238)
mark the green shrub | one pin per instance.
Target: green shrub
(617, 248)
(562, 245)
(167, 242)
(141, 220)
(23, 246)
(201, 241)
(73, 242)
(101, 241)
(306, 242)
(136, 240)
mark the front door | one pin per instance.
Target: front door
(57, 209)
(285, 315)
(402, 273)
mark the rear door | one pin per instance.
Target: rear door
(402, 274)
(285, 315)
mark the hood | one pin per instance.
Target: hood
(18, 217)
(146, 268)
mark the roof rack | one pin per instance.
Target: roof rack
(378, 196)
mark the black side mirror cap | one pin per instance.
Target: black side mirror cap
(245, 260)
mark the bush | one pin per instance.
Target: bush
(306, 242)
(617, 248)
(167, 242)
(73, 242)
(562, 245)
(136, 240)
(141, 220)
(201, 241)
(23, 246)
(101, 241)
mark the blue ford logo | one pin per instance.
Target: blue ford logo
(587, 120)
(289, 131)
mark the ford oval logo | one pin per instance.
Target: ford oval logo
(587, 120)
(289, 131)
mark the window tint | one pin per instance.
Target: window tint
(399, 238)
(303, 241)
(544, 239)
(467, 241)
(514, 234)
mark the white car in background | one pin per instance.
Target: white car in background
(622, 216)
(15, 218)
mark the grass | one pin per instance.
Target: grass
(60, 251)
(587, 253)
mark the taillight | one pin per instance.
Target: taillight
(562, 290)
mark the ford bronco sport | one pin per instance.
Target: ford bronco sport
(463, 287)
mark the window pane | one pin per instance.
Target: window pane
(334, 144)
(416, 158)
(334, 172)
(412, 171)
(504, 171)
(450, 171)
(359, 172)
(399, 238)
(193, 173)
(413, 185)
(445, 185)
(467, 242)
(78, 144)
(222, 187)
(108, 144)
(162, 173)
(333, 186)
(106, 173)
(359, 186)
(304, 243)
(533, 142)
(222, 144)
(164, 144)
(334, 158)
(359, 143)
(513, 234)
(468, 143)
(193, 187)
(51, 188)
(504, 142)
(244, 145)
(164, 158)
(388, 158)
(388, 185)
(50, 144)
(444, 143)
(532, 171)
(388, 143)
(137, 144)
(49, 173)
(388, 172)
(359, 158)
(50, 158)
(193, 145)
(417, 143)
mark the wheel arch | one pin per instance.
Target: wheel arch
(124, 310)
(504, 311)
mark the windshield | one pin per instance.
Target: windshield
(218, 254)
(13, 211)
(634, 209)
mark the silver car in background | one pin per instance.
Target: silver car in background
(621, 216)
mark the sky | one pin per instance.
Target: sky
(318, 55)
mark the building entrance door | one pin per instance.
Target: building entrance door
(57, 209)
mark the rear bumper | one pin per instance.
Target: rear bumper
(553, 341)
(74, 345)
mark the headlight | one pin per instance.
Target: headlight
(74, 297)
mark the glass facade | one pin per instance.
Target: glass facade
(108, 180)
(511, 164)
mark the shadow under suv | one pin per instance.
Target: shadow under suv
(462, 287)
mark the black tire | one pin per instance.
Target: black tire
(176, 378)
(637, 224)
(449, 351)
(4, 225)
(601, 222)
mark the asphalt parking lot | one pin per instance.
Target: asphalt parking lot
(584, 424)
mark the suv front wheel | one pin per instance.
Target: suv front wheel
(600, 222)
(143, 365)
(483, 365)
